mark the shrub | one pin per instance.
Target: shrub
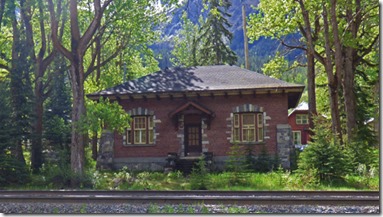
(198, 176)
(12, 171)
(265, 162)
(363, 153)
(323, 159)
(61, 176)
(237, 165)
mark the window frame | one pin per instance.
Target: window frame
(239, 128)
(300, 137)
(301, 118)
(145, 131)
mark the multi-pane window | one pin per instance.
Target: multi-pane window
(141, 130)
(302, 119)
(297, 137)
(248, 127)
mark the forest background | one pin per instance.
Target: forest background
(55, 52)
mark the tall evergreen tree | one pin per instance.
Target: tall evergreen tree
(58, 108)
(20, 86)
(12, 170)
(215, 35)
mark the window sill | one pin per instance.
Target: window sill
(249, 143)
(138, 145)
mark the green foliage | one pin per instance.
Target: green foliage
(214, 34)
(237, 164)
(367, 174)
(273, 19)
(198, 176)
(12, 171)
(104, 114)
(324, 158)
(264, 162)
(237, 209)
(276, 67)
(124, 179)
(365, 179)
(186, 47)
(57, 174)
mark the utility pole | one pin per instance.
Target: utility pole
(124, 72)
(245, 41)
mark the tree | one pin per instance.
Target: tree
(216, 36)
(40, 59)
(343, 44)
(57, 108)
(109, 30)
(20, 85)
(12, 170)
(186, 47)
(278, 19)
(75, 54)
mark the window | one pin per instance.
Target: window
(141, 130)
(302, 119)
(297, 137)
(248, 127)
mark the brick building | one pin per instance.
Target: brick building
(191, 111)
(299, 122)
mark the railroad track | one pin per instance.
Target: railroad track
(334, 198)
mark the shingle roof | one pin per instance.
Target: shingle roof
(200, 78)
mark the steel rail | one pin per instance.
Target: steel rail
(360, 198)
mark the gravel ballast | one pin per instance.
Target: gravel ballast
(121, 208)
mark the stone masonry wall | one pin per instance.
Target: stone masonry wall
(284, 144)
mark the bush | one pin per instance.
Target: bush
(325, 160)
(198, 176)
(57, 173)
(265, 162)
(237, 165)
(363, 153)
(12, 171)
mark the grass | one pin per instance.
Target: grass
(277, 180)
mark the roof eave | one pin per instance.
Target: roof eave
(294, 93)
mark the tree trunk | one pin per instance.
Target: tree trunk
(349, 94)
(78, 111)
(310, 65)
(94, 146)
(36, 149)
(349, 71)
(311, 90)
(335, 117)
(16, 81)
(333, 82)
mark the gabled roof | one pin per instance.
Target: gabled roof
(194, 105)
(200, 79)
(303, 106)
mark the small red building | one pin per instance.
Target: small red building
(191, 111)
(299, 122)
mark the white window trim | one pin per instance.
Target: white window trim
(300, 137)
(301, 118)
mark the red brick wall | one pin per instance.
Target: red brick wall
(275, 106)
(299, 127)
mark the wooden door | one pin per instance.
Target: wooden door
(193, 144)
